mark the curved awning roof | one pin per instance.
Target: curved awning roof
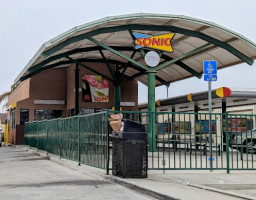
(109, 40)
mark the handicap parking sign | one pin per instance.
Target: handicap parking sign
(210, 67)
(210, 70)
(210, 77)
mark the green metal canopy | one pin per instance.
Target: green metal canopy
(110, 41)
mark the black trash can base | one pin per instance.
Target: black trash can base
(130, 152)
(130, 158)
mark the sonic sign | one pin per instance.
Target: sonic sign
(160, 42)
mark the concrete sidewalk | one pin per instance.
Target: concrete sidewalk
(27, 176)
(189, 184)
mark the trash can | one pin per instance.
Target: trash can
(130, 153)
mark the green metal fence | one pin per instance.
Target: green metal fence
(81, 138)
(178, 140)
(185, 141)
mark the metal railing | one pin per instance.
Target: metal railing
(178, 140)
(80, 138)
(182, 140)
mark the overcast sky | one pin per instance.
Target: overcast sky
(25, 25)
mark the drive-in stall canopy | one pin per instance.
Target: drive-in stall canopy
(111, 40)
(194, 41)
(222, 98)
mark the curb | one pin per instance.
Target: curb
(242, 196)
(139, 189)
(108, 178)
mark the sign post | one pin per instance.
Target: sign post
(210, 74)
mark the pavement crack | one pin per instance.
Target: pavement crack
(58, 183)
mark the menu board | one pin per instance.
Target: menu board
(202, 126)
(238, 125)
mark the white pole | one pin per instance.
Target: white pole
(210, 120)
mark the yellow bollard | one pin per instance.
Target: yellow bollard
(6, 134)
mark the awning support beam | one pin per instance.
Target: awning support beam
(117, 53)
(167, 84)
(142, 72)
(165, 64)
(128, 59)
(138, 74)
(74, 51)
(68, 62)
(107, 64)
(126, 65)
(142, 52)
(89, 68)
(184, 66)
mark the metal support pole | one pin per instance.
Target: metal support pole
(223, 108)
(223, 111)
(210, 120)
(29, 135)
(117, 96)
(196, 111)
(227, 142)
(197, 139)
(107, 140)
(151, 109)
(37, 134)
(76, 90)
(60, 127)
(47, 124)
(173, 115)
(79, 141)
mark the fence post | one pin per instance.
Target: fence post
(227, 141)
(107, 137)
(29, 135)
(47, 136)
(24, 134)
(37, 133)
(79, 153)
(60, 127)
(210, 140)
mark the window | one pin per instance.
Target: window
(24, 116)
(12, 119)
(47, 114)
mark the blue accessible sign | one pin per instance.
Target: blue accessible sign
(210, 70)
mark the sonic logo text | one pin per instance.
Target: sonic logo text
(161, 42)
